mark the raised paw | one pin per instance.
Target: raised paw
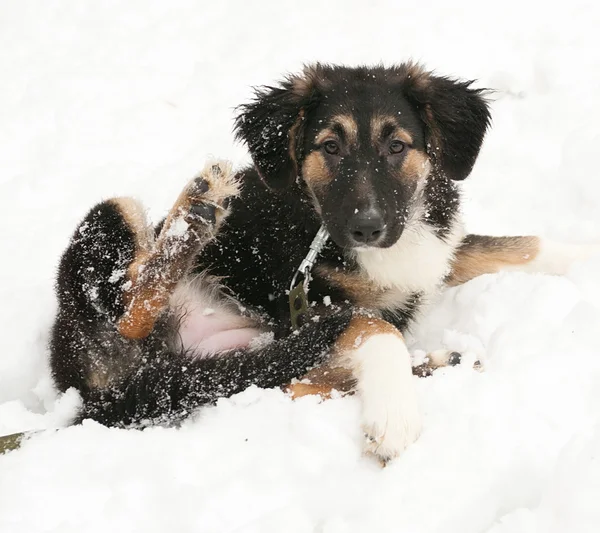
(207, 197)
(207, 213)
(214, 186)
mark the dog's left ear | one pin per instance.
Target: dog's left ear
(456, 117)
(273, 125)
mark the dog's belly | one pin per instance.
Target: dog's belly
(206, 331)
(210, 323)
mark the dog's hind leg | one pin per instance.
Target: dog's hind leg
(480, 254)
(192, 222)
(114, 280)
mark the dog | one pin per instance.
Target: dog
(155, 322)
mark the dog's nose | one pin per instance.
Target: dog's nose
(367, 227)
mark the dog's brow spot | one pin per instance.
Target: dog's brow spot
(347, 126)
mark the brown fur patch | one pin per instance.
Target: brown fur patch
(323, 381)
(135, 215)
(360, 289)
(360, 329)
(315, 171)
(297, 390)
(416, 165)
(151, 286)
(339, 375)
(348, 126)
(479, 254)
(325, 134)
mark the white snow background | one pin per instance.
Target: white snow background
(107, 98)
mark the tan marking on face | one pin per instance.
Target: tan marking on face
(315, 171)
(348, 126)
(379, 123)
(416, 165)
(325, 134)
(479, 255)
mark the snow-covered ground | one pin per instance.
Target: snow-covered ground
(109, 98)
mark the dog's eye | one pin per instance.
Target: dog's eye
(396, 147)
(331, 147)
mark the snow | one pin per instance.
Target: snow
(113, 99)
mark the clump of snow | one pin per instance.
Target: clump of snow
(129, 99)
(178, 228)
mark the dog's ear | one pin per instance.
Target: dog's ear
(456, 117)
(272, 125)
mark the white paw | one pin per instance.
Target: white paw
(391, 426)
(391, 419)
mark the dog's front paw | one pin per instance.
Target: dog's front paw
(390, 426)
(391, 419)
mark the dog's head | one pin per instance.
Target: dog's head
(363, 141)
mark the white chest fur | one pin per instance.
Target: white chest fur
(418, 262)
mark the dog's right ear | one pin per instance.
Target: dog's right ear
(273, 125)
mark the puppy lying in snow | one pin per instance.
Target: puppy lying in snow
(154, 322)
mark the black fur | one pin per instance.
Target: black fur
(266, 125)
(457, 117)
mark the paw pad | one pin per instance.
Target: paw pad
(199, 186)
(206, 212)
(454, 359)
